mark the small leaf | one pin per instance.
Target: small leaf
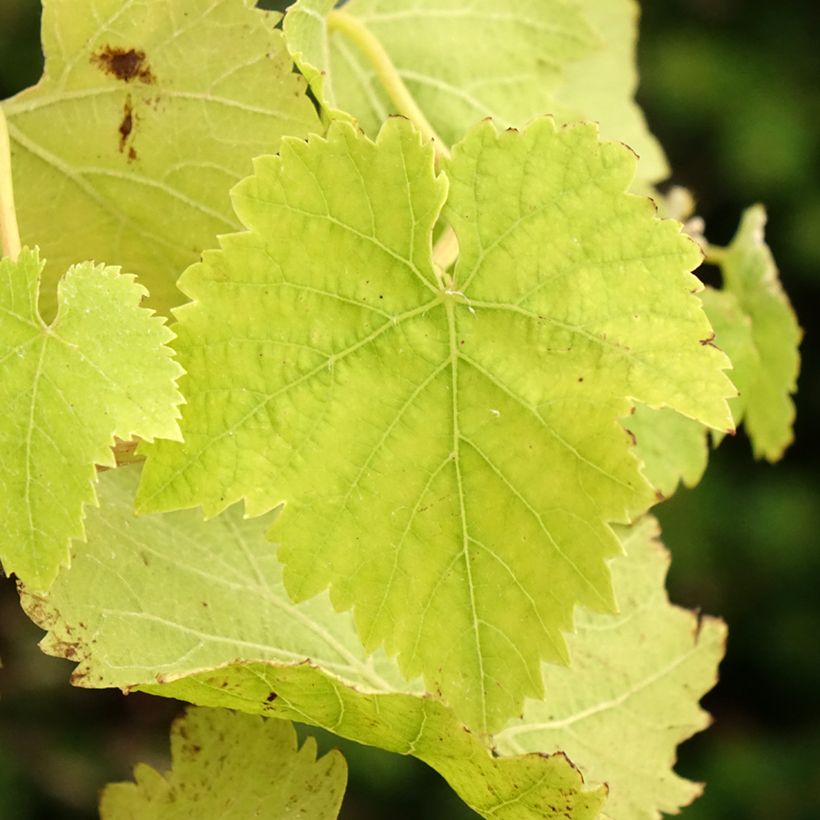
(631, 695)
(766, 367)
(449, 450)
(230, 636)
(232, 766)
(672, 447)
(146, 116)
(100, 370)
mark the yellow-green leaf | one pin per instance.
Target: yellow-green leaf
(447, 445)
(232, 766)
(146, 115)
(100, 370)
(229, 636)
(631, 694)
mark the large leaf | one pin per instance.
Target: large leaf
(767, 364)
(101, 369)
(408, 419)
(602, 84)
(144, 119)
(232, 766)
(230, 636)
(463, 62)
(631, 694)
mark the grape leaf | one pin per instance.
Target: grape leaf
(232, 766)
(463, 63)
(601, 85)
(766, 369)
(230, 636)
(630, 696)
(673, 448)
(406, 420)
(142, 122)
(101, 369)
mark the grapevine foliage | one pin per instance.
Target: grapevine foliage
(266, 775)
(446, 360)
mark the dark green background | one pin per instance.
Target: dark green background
(731, 89)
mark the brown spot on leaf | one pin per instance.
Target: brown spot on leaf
(126, 129)
(124, 64)
(127, 124)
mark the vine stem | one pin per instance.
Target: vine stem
(445, 251)
(387, 74)
(9, 232)
(715, 255)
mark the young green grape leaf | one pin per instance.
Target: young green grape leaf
(406, 417)
(100, 370)
(230, 636)
(765, 370)
(232, 766)
(461, 64)
(143, 120)
(631, 695)
(672, 447)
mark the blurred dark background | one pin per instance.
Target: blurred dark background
(731, 89)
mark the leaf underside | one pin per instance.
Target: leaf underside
(143, 121)
(101, 369)
(631, 694)
(231, 637)
(449, 451)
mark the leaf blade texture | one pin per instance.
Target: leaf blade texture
(231, 637)
(102, 369)
(143, 121)
(404, 419)
(631, 694)
(462, 63)
(233, 766)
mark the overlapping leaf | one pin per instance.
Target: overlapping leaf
(672, 448)
(463, 62)
(601, 85)
(754, 321)
(232, 766)
(230, 636)
(100, 370)
(408, 423)
(631, 694)
(146, 115)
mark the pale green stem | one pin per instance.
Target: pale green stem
(446, 249)
(387, 74)
(715, 255)
(9, 232)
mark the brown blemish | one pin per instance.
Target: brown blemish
(126, 129)
(124, 64)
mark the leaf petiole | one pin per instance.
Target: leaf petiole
(9, 232)
(387, 74)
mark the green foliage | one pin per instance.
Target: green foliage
(631, 693)
(142, 122)
(763, 340)
(101, 369)
(231, 637)
(448, 366)
(432, 378)
(233, 767)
